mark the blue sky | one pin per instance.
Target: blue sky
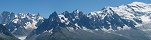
(46, 7)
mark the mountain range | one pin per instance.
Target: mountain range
(125, 22)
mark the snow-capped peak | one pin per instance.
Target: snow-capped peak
(137, 3)
(140, 6)
(136, 12)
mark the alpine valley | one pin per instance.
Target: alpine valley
(126, 22)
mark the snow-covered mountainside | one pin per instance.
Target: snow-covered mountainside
(20, 24)
(110, 23)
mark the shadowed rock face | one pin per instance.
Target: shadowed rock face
(5, 34)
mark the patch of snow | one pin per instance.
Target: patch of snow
(67, 22)
(33, 17)
(97, 14)
(93, 13)
(108, 22)
(119, 28)
(84, 28)
(145, 19)
(4, 24)
(96, 29)
(77, 26)
(126, 27)
(8, 29)
(30, 25)
(64, 19)
(146, 30)
(77, 17)
(16, 16)
(40, 17)
(104, 29)
(34, 21)
(73, 19)
(50, 31)
(76, 11)
(70, 28)
(15, 20)
(107, 30)
(22, 15)
(22, 37)
(110, 29)
(15, 29)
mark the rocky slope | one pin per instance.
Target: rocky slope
(5, 34)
